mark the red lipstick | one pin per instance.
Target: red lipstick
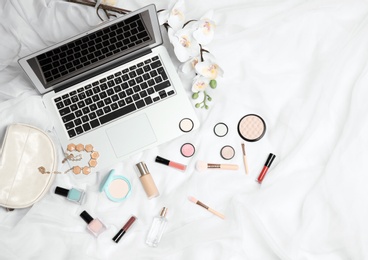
(267, 165)
(171, 163)
(124, 229)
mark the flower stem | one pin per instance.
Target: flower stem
(188, 23)
(201, 50)
(203, 104)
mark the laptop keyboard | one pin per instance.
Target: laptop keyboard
(90, 49)
(114, 96)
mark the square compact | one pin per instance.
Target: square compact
(116, 187)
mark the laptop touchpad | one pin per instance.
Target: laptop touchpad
(131, 135)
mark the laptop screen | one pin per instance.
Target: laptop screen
(93, 49)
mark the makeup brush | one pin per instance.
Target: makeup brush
(245, 159)
(201, 166)
(194, 200)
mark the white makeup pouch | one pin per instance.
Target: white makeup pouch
(25, 148)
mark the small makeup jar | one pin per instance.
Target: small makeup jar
(227, 152)
(187, 150)
(186, 125)
(116, 187)
(220, 129)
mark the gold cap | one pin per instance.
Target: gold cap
(142, 169)
(163, 212)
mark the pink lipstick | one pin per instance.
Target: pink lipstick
(167, 162)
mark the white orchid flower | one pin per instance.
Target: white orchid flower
(209, 69)
(188, 67)
(174, 16)
(205, 29)
(185, 46)
(200, 83)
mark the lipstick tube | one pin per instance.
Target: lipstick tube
(267, 165)
(170, 163)
(124, 229)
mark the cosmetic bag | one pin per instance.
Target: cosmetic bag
(24, 149)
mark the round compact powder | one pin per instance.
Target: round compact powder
(186, 125)
(227, 152)
(251, 128)
(187, 150)
(118, 188)
(220, 129)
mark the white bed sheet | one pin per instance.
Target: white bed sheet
(301, 65)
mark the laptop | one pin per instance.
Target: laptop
(114, 87)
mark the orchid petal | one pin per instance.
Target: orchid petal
(189, 66)
(208, 69)
(205, 31)
(163, 16)
(176, 17)
(208, 15)
(200, 83)
(185, 46)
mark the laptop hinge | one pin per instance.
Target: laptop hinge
(103, 68)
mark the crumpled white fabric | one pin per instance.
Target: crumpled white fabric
(300, 65)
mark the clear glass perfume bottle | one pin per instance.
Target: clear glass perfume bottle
(157, 229)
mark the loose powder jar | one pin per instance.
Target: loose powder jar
(227, 152)
(220, 129)
(251, 128)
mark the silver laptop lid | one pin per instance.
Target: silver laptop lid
(108, 45)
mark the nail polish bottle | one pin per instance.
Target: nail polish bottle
(157, 229)
(147, 181)
(74, 195)
(95, 226)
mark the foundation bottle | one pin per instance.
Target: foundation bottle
(147, 181)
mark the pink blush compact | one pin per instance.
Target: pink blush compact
(251, 128)
(187, 150)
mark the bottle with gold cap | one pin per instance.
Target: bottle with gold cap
(147, 181)
(157, 229)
